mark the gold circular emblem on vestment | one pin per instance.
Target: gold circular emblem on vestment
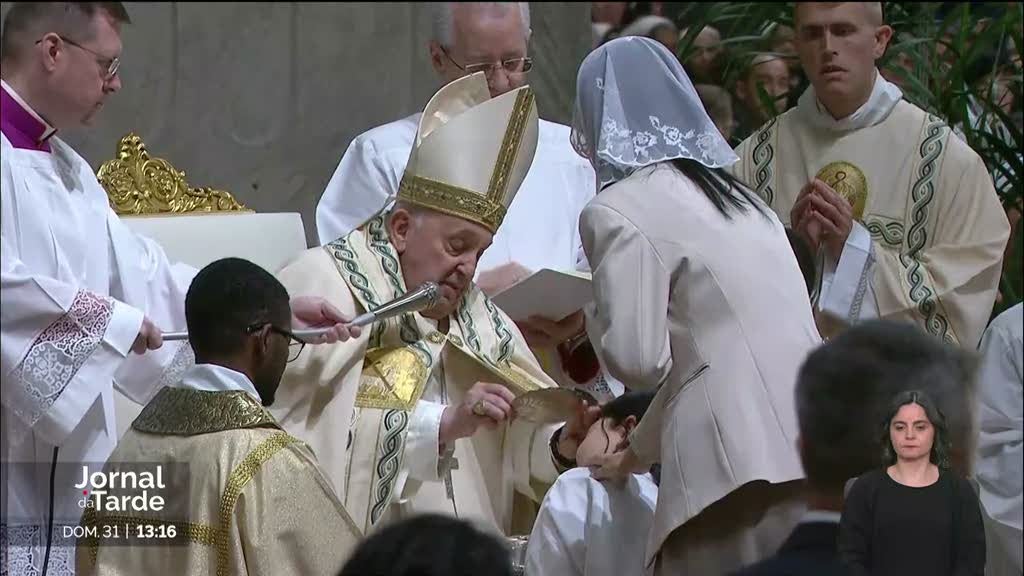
(435, 337)
(849, 182)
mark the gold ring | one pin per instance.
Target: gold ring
(480, 408)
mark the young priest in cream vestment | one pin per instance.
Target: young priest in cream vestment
(414, 415)
(904, 213)
(238, 495)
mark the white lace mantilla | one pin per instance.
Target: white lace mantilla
(635, 107)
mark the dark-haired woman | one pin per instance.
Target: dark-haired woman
(698, 295)
(914, 516)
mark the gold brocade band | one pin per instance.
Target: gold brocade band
(510, 146)
(451, 200)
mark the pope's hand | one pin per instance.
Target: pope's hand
(315, 312)
(497, 279)
(149, 337)
(485, 404)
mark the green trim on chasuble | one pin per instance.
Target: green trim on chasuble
(763, 156)
(505, 346)
(345, 261)
(402, 355)
(885, 231)
(922, 193)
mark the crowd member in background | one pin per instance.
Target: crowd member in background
(722, 357)
(1001, 440)
(718, 103)
(915, 515)
(765, 78)
(605, 16)
(704, 62)
(782, 43)
(655, 27)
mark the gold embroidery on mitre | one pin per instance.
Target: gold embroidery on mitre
(451, 200)
(510, 146)
(392, 379)
(849, 182)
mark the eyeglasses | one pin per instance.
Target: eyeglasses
(110, 65)
(295, 344)
(512, 66)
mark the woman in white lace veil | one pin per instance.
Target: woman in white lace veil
(635, 106)
(698, 295)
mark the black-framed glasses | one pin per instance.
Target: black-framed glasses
(110, 64)
(512, 66)
(295, 344)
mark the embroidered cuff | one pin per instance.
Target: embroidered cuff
(846, 286)
(422, 441)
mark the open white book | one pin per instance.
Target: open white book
(547, 293)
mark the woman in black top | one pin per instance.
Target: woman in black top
(915, 516)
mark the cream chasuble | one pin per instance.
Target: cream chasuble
(371, 408)
(240, 495)
(928, 239)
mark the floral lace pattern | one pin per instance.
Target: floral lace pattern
(635, 107)
(22, 549)
(58, 353)
(623, 149)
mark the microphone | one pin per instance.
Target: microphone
(413, 301)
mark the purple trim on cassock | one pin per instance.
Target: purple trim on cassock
(21, 128)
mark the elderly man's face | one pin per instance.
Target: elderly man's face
(771, 76)
(483, 36)
(436, 247)
(707, 47)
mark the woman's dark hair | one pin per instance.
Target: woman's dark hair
(629, 404)
(723, 189)
(941, 444)
(430, 545)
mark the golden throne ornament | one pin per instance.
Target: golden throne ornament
(137, 184)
